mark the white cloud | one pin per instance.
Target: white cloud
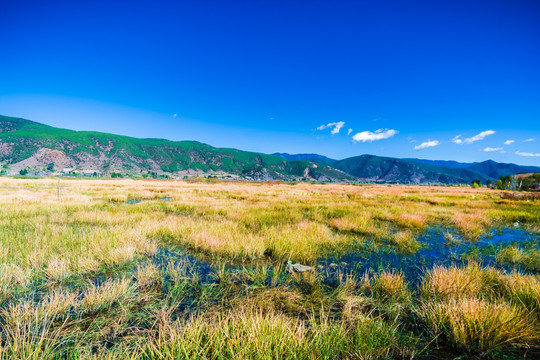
(426, 145)
(336, 127)
(508, 142)
(481, 136)
(372, 136)
(521, 153)
(175, 115)
(529, 140)
(493, 149)
(349, 132)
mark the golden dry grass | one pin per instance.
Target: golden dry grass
(51, 249)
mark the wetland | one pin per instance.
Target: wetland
(133, 269)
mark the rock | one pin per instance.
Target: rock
(333, 265)
(343, 263)
(297, 267)
(320, 267)
(516, 224)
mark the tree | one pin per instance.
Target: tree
(531, 182)
(476, 183)
(504, 182)
(23, 172)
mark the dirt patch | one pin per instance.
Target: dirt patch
(42, 157)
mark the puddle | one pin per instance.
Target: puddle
(133, 201)
(139, 200)
(436, 251)
(165, 258)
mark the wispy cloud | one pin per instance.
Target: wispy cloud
(427, 144)
(481, 136)
(521, 153)
(529, 140)
(335, 125)
(493, 149)
(380, 134)
(349, 132)
(508, 142)
(478, 137)
(411, 140)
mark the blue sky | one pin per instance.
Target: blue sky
(429, 79)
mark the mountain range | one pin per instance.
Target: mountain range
(30, 147)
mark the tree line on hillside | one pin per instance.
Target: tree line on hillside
(512, 182)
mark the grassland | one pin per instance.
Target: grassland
(170, 270)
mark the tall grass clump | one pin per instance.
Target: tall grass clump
(390, 287)
(35, 331)
(255, 334)
(389, 294)
(513, 255)
(477, 325)
(447, 282)
(523, 290)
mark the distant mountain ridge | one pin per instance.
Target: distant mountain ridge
(34, 148)
(371, 168)
(442, 163)
(31, 146)
(315, 158)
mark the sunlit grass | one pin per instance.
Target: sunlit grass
(82, 276)
(477, 325)
(513, 255)
(256, 334)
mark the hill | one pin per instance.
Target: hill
(40, 149)
(370, 168)
(442, 163)
(314, 158)
(34, 147)
(494, 169)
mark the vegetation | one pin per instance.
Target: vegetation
(529, 182)
(146, 269)
(38, 149)
(114, 154)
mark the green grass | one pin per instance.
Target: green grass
(93, 277)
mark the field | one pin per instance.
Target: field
(132, 269)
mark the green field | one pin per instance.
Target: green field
(126, 269)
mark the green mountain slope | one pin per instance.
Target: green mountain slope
(39, 149)
(29, 145)
(314, 158)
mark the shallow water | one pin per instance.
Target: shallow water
(139, 200)
(372, 259)
(177, 257)
(435, 251)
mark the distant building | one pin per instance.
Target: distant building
(89, 172)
